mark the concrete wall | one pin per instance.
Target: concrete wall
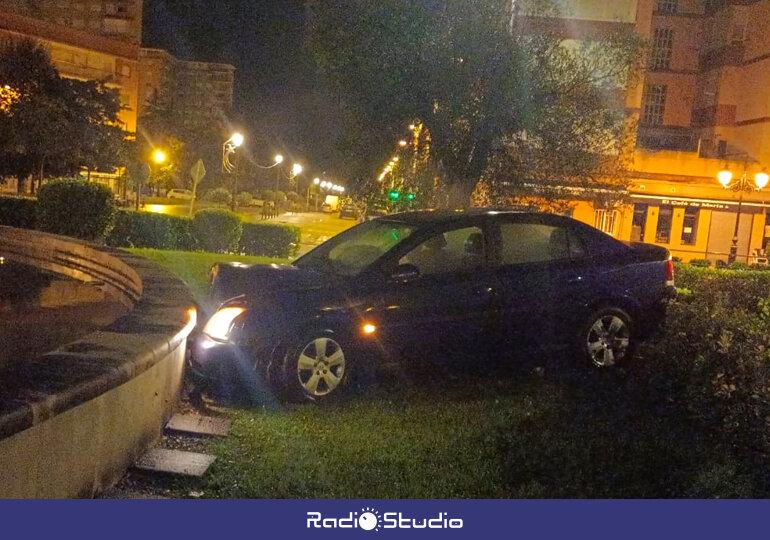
(73, 420)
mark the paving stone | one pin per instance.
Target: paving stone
(200, 425)
(167, 461)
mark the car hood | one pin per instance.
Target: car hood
(233, 279)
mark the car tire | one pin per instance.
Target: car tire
(606, 337)
(316, 368)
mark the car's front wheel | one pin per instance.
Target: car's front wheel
(606, 337)
(317, 369)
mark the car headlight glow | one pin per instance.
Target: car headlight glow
(221, 323)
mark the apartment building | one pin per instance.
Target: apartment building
(114, 19)
(82, 55)
(702, 107)
(203, 87)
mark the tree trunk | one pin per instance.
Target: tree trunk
(458, 193)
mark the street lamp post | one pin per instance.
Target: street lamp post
(228, 165)
(316, 182)
(742, 185)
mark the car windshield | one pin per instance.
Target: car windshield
(349, 253)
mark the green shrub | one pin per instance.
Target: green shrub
(76, 208)
(18, 212)
(216, 230)
(243, 198)
(270, 240)
(268, 195)
(293, 197)
(713, 360)
(738, 265)
(148, 230)
(279, 196)
(218, 196)
(702, 263)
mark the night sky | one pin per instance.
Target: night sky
(279, 98)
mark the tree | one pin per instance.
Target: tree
(484, 91)
(54, 124)
(191, 130)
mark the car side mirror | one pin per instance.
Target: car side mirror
(405, 272)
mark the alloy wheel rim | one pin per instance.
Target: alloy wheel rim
(608, 340)
(321, 366)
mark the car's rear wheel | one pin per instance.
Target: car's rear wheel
(317, 369)
(606, 338)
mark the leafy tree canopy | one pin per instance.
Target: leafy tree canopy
(53, 124)
(497, 92)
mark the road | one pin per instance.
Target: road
(316, 227)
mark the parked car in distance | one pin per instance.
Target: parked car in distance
(349, 210)
(326, 208)
(374, 211)
(437, 282)
(179, 194)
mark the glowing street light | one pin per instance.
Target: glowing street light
(742, 185)
(402, 143)
(159, 156)
(296, 169)
(278, 159)
(316, 181)
(237, 140)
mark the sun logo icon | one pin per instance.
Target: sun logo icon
(369, 520)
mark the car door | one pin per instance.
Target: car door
(444, 309)
(542, 268)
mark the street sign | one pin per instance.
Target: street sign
(197, 172)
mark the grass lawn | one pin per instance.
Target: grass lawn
(536, 428)
(193, 267)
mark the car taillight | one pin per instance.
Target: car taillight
(670, 272)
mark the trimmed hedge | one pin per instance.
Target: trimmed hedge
(146, 230)
(159, 231)
(218, 196)
(76, 208)
(713, 362)
(216, 230)
(270, 240)
(18, 212)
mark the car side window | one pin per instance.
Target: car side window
(523, 243)
(448, 252)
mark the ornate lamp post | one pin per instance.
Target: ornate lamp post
(228, 167)
(742, 185)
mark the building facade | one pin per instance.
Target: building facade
(702, 107)
(114, 19)
(78, 54)
(202, 87)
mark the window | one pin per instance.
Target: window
(654, 105)
(452, 251)
(639, 223)
(663, 232)
(690, 226)
(354, 250)
(606, 221)
(523, 243)
(662, 45)
(668, 7)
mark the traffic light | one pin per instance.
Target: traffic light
(394, 195)
(410, 196)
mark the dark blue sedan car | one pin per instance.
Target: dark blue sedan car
(436, 282)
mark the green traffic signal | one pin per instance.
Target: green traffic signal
(394, 195)
(410, 196)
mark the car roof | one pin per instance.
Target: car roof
(431, 217)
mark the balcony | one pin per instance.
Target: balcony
(675, 138)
